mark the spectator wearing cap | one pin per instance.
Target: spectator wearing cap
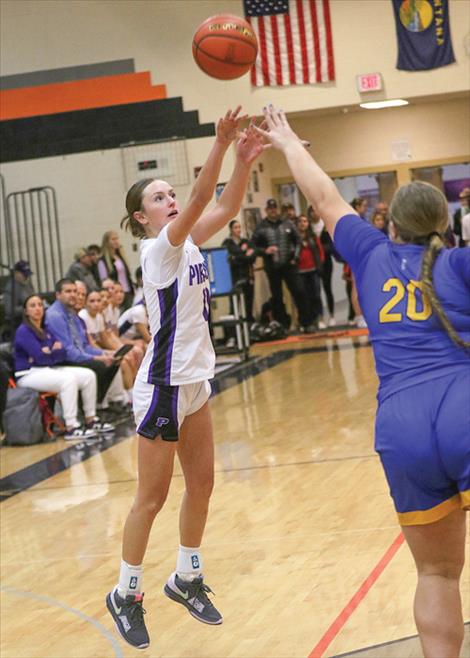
(80, 270)
(278, 242)
(464, 209)
(17, 290)
(288, 212)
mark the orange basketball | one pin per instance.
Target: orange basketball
(225, 46)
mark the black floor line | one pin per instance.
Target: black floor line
(33, 474)
(310, 462)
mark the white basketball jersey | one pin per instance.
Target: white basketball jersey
(177, 294)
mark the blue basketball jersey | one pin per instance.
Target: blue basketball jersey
(409, 342)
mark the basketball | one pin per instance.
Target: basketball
(225, 46)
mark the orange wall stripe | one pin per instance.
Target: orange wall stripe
(79, 95)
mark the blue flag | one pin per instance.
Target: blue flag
(423, 34)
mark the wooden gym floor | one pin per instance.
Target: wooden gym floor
(302, 546)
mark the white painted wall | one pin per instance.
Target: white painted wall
(42, 34)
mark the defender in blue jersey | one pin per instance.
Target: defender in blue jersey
(415, 296)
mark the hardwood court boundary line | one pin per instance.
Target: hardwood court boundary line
(338, 623)
(30, 475)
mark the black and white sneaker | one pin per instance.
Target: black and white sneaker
(128, 615)
(100, 427)
(80, 433)
(193, 595)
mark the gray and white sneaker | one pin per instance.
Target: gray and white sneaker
(80, 433)
(101, 428)
(128, 615)
(193, 595)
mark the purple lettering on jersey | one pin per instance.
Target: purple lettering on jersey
(198, 272)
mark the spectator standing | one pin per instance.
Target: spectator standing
(466, 229)
(23, 288)
(241, 256)
(320, 231)
(94, 251)
(80, 270)
(360, 206)
(38, 358)
(464, 209)
(379, 221)
(278, 242)
(113, 265)
(310, 265)
(139, 286)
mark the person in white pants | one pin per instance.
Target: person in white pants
(68, 382)
(37, 365)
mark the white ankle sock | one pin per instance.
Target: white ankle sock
(189, 563)
(130, 579)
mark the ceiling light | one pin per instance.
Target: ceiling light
(378, 105)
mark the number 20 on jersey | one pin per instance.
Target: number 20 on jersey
(387, 312)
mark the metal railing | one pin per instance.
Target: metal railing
(32, 233)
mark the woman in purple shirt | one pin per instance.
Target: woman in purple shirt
(38, 355)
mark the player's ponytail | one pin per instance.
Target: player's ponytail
(420, 215)
(433, 247)
(134, 204)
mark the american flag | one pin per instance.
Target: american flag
(295, 43)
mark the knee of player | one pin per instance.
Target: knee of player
(150, 503)
(449, 570)
(201, 489)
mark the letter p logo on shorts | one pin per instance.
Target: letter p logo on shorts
(162, 421)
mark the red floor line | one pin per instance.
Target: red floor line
(346, 612)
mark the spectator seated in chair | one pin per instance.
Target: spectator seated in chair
(39, 357)
(62, 320)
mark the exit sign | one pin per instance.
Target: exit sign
(369, 82)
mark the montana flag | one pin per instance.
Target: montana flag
(295, 43)
(423, 34)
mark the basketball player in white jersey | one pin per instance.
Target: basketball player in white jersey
(171, 391)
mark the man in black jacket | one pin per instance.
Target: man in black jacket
(277, 240)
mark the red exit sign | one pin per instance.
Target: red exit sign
(369, 82)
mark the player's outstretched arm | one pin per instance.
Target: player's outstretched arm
(249, 147)
(316, 185)
(203, 190)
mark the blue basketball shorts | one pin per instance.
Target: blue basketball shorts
(422, 435)
(161, 410)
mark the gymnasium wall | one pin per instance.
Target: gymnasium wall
(38, 35)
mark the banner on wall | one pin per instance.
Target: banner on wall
(423, 34)
(295, 42)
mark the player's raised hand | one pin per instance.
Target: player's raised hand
(277, 129)
(251, 143)
(228, 126)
